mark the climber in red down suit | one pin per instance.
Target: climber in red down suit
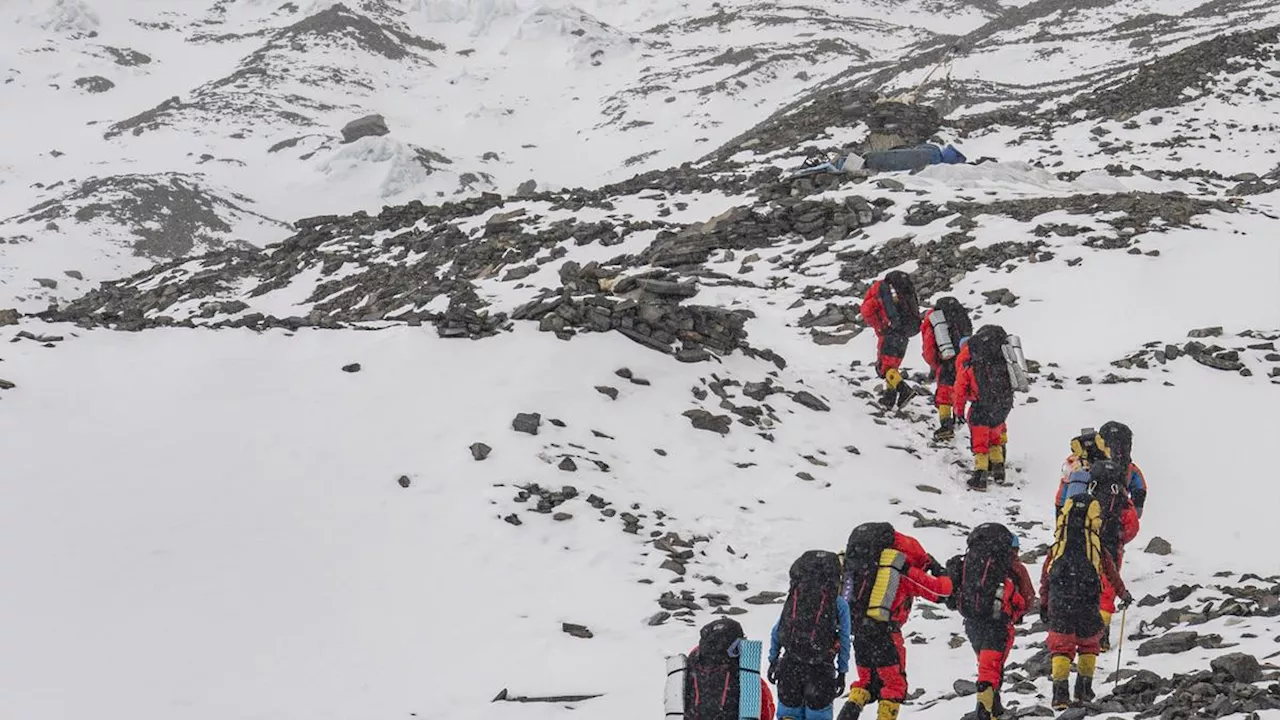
(942, 332)
(892, 309)
(982, 377)
(879, 651)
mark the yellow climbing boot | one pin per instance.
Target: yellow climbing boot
(892, 377)
(986, 703)
(888, 710)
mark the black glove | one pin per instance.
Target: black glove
(773, 673)
(840, 681)
(1127, 600)
(935, 569)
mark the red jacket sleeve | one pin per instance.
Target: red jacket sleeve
(929, 346)
(1129, 524)
(922, 584)
(1022, 583)
(766, 701)
(873, 311)
(909, 546)
(1113, 575)
(965, 387)
(1016, 605)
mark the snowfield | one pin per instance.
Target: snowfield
(250, 477)
(207, 524)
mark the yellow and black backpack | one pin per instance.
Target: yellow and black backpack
(1075, 565)
(872, 570)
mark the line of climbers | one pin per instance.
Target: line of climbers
(857, 602)
(979, 370)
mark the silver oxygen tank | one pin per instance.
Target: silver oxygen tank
(942, 335)
(1017, 363)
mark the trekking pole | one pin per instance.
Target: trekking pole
(1119, 647)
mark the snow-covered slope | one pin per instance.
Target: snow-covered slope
(301, 476)
(229, 538)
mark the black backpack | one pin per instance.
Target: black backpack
(712, 680)
(988, 562)
(903, 315)
(1108, 483)
(1119, 440)
(959, 325)
(809, 630)
(990, 369)
(1075, 570)
(861, 564)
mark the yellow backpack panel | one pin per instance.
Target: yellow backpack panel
(885, 589)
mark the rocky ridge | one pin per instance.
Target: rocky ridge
(1229, 35)
(170, 215)
(441, 264)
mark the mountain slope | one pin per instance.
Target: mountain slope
(477, 96)
(1042, 64)
(408, 460)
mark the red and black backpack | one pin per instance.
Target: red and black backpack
(987, 565)
(809, 630)
(712, 679)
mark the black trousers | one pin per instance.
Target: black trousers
(1073, 616)
(894, 344)
(988, 415)
(804, 685)
(874, 647)
(947, 372)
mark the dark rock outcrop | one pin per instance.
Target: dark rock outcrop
(367, 126)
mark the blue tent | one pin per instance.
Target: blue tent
(916, 158)
(952, 156)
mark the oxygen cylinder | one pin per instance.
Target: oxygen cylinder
(942, 335)
(674, 703)
(1017, 363)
